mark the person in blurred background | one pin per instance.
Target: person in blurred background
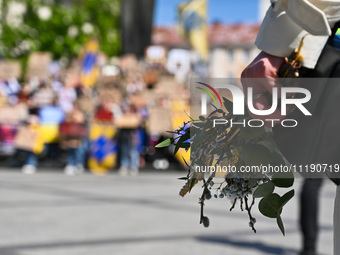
(46, 123)
(31, 161)
(50, 116)
(11, 89)
(66, 96)
(134, 84)
(84, 103)
(24, 94)
(129, 141)
(104, 111)
(72, 132)
(43, 95)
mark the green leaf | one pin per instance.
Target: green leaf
(213, 106)
(250, 133)
(270, 206)
(284, 200)
(283, 179)
(228, 104)
(268, 142)
(207, 125)
(172, 132)
(215, 111)
(198, 124)
(280, 224)
(264, 190)
(183, 178)
(256, 155)
(186, 162)
(191, 119)
(192, 183)
(201, 118)
(185, 145)
(252, 181)
(286, 197)
(181, 140)
(165, 143)
(277, 160)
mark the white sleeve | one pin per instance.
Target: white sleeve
(287, 21)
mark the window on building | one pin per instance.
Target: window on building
(246, 55)
(230, 55)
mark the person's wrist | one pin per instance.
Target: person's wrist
(264, 65)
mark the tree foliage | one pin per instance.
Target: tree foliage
(60, 27)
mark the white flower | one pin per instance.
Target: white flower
(16, 8)
(72, 31)
(44, 13)
(25, 45)
(15, 13)
(15, 52)
(87, 28)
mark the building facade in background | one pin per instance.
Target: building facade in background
(231, 46)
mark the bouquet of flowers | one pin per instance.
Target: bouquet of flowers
(232, 162)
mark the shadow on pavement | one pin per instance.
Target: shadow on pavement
(261, 247)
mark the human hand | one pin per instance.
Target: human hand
(264, 66)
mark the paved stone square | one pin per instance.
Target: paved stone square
(52, 214)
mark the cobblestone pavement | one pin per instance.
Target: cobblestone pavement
(52, 214)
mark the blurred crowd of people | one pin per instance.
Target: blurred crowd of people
(54, 117)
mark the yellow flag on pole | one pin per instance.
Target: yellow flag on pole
(193, 24)
(89, 69)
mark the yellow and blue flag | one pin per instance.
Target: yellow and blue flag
(193, 24)
(89, 68)
(103, 148)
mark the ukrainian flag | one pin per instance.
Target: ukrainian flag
(89, 69)
(193, 24)
(103, 148)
